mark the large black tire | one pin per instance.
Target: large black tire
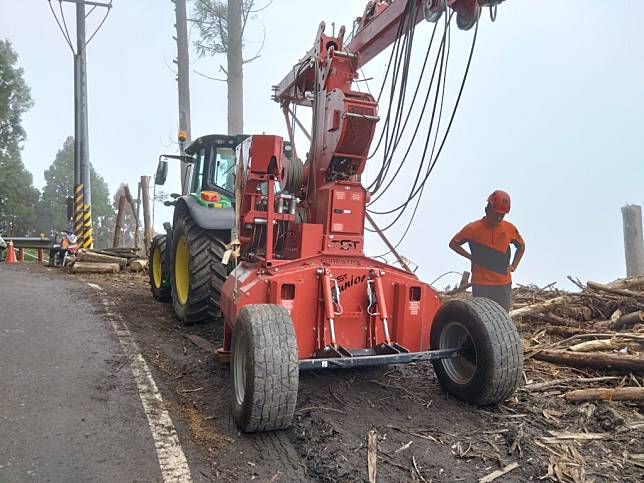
(197, 299)
(264, 368)
(491, 367)
(158, 270)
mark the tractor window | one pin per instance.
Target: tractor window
(222, 171)
(198, 171)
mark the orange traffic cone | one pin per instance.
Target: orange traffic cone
(11, 254)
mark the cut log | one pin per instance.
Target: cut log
(88, 256)
(541, 386)
(617, 291)
(628, 321)
(540, 307)
(576, 312)
(602, 326)
(634, 394)
(556, 319)
(120, 252)
(138, 265)
(609, 362)
(631, 282)
(596, 345)
(89, 267)
(565, 331)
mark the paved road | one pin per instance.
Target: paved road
(69, 407)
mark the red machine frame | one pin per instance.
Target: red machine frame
(304, 249)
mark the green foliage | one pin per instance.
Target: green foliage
(18, 198)
(211, 19)
(17, 195)
(60, 184)
(15, 100)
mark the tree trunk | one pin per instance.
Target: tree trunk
(633, 240)
(137, 226)
(235, 69)
(118, 226)
(540, 307)
(619, 394)
(147, 220)
(608, 362)
(617, 291)
(628, 321)
(88, 267)
(100, 258)
(138, 265)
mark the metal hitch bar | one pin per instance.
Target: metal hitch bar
(376, 360)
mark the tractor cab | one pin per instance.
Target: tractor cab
(213, 166)
(211, 161)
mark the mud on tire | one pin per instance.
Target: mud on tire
(491, 367)
(264, 368)
(206, 273)
(158, 249)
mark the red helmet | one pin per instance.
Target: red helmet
(500, 202)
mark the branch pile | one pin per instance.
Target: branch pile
(600, 327)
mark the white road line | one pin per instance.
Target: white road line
(172, 460)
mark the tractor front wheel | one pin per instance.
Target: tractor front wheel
(197, 272)
(265, 368)
(158, 270)
(490, 365)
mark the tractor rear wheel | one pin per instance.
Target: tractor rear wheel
(264, 368)
(490, 366)
(197, 272)
(158, 269)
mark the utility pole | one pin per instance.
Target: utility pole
(83, 214)
(183, 80)
(633, 240)
(82, 219)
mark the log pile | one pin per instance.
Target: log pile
(597, 331)
(581, 408)
(109, 260)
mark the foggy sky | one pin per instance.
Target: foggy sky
(552, 112)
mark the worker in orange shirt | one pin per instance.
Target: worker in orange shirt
(489, 240)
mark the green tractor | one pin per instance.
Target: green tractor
(185, 263)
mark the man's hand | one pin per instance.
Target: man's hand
(511, 269)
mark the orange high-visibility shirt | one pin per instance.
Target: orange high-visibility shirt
(490, 249)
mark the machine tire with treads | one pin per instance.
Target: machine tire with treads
(158, 270)
(197, 272)
(491, 367)
(264, 368)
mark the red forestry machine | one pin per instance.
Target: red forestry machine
(302, 294)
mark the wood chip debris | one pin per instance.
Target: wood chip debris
(499, 473)
(372, 455)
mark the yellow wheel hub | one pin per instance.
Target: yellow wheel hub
(182, 270)
(156, 268)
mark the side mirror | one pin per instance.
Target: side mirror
(162, 173)
(168, 203)
(175, 196)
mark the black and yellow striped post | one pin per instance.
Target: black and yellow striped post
(78, 211)
(83, 218)
(88, 231)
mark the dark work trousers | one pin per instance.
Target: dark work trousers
(501, 294)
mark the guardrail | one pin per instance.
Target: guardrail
(36, 243)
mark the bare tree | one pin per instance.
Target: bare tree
(222, 26)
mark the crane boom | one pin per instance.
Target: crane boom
(375, 30)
